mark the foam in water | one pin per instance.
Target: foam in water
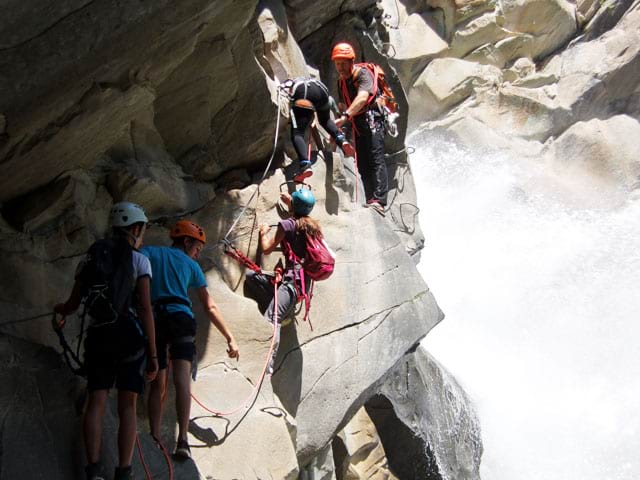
(542, 304)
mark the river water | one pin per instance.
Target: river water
(539, 278)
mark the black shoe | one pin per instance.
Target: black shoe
(183, 450)
(95, 471)
(123, 473)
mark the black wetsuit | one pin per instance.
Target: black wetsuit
(316, 92)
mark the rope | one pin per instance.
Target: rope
(357, 174)
(166, 458)
(165, 454)
(264, 174)
(147, 473)
(256, 388)
(240, 257)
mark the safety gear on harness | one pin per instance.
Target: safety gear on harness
(186, 228)
(381, 99)
(124, 214)
(343, 51)
(303, 201)
(107, 277)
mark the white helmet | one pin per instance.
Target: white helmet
(124, 214)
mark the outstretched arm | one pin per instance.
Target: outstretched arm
(215, 316)
(71, 305)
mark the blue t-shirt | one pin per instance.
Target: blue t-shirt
(174, 273)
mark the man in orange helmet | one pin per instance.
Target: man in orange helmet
(358, 91)
(175, 272)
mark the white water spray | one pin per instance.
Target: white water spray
(542, 304)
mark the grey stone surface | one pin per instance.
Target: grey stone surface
(428, 400)
(163, 104)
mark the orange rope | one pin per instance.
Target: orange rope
(253, 393)
(256, 388)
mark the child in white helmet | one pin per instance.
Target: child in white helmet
(120, 339)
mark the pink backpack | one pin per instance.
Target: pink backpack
(318, 264)
(320, 260)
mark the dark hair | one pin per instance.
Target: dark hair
(122, 231)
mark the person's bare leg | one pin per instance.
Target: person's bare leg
(155, 402)
(182, 381)
(127, 429)
(92, 424)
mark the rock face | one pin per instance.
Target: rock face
(532, 112)
(363, 455)
(428, 400)
(176, 106)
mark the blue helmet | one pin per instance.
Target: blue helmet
(303, 202)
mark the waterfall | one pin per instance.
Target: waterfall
(540, 285)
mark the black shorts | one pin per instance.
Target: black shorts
(175, 335)
(106, 368)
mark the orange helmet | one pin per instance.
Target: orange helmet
(186, 228)
(343, 51)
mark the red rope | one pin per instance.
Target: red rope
(147, 473)
(240, 257)
(256, 388)
(167, 459)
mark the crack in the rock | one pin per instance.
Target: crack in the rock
(314, 384)
(380, 322)
(49, 28)
(386, 312)
(328, 370)
(22, 320)
(231, 368)
(381, 274)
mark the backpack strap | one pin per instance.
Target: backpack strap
(300, 287)
(373, 70)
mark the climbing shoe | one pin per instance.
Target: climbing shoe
(302, 175)
(123, 473)
(183, 450)
(376, 205)
(348, 149)
(95, 471)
